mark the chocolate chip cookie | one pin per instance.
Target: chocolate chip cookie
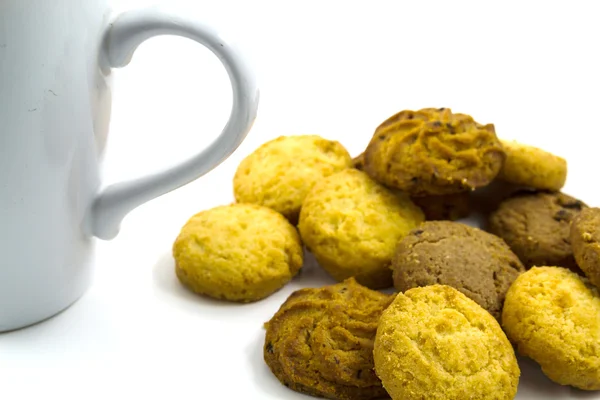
(537, 227)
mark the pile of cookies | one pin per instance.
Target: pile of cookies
(463, 296)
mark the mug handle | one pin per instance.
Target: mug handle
(122, 37)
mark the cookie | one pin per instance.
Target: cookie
(553, 317)
(449, 207)
(585, 241)
(281, 172)
(358, 162)
(352, 225)
(433, 152)
(436, 343)
(474, 262)
(320, 342)
(537, 226)
(239, 252)
(532, 167)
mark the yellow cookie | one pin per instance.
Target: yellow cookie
(436, 343)
(553, 316)
(352, 225)
(239, 252)
(280, 173)
(532, 167)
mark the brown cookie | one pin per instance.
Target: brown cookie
(537, 227)
(358, 162)
(585, 241)
(320, 342)
(433, 152)
(475, 262)
(445, 207)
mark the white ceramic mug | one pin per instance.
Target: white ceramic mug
(55, 65)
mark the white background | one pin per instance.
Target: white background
(336, 69)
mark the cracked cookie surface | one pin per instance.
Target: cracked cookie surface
(352, 225)
(537, 226)
(320, 341)
(433, 152)
(585, 241)
(435, 343)
(281, 172)
(476, 263)
(553, 316)
(238, 252)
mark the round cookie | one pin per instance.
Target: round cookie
(536, 226)
(320, 342)
(239, 252)
(445, 207)
(352, 225)
(553, 317)
(585, 241)
(532, 167)
(436, 343)
(476, 263)
(433, 152)
(282, 171)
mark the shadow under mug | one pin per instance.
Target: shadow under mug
(55, 64)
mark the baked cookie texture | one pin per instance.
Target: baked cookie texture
(435, 343)
(238, 252)
(476, 263)
(585, 241)
(450, 207)
(532, 167)
(553, 317)
(358, 162)
(537, 226)
(320, 341)
(433, 152)
(280, 173)
(352, 225)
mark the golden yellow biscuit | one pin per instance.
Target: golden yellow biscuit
(320, 341)
(280, 173)
(239, 252)
(433, 152)
(532, 167)
(553, 316)
(352, 225)
(435, 343)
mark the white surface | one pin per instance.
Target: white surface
(334, 69)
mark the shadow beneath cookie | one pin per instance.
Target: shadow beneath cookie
(312, 274)
(487, 199)
(167, 288)
(535, 385)
(265, 383)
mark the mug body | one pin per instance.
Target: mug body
(54, 115)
